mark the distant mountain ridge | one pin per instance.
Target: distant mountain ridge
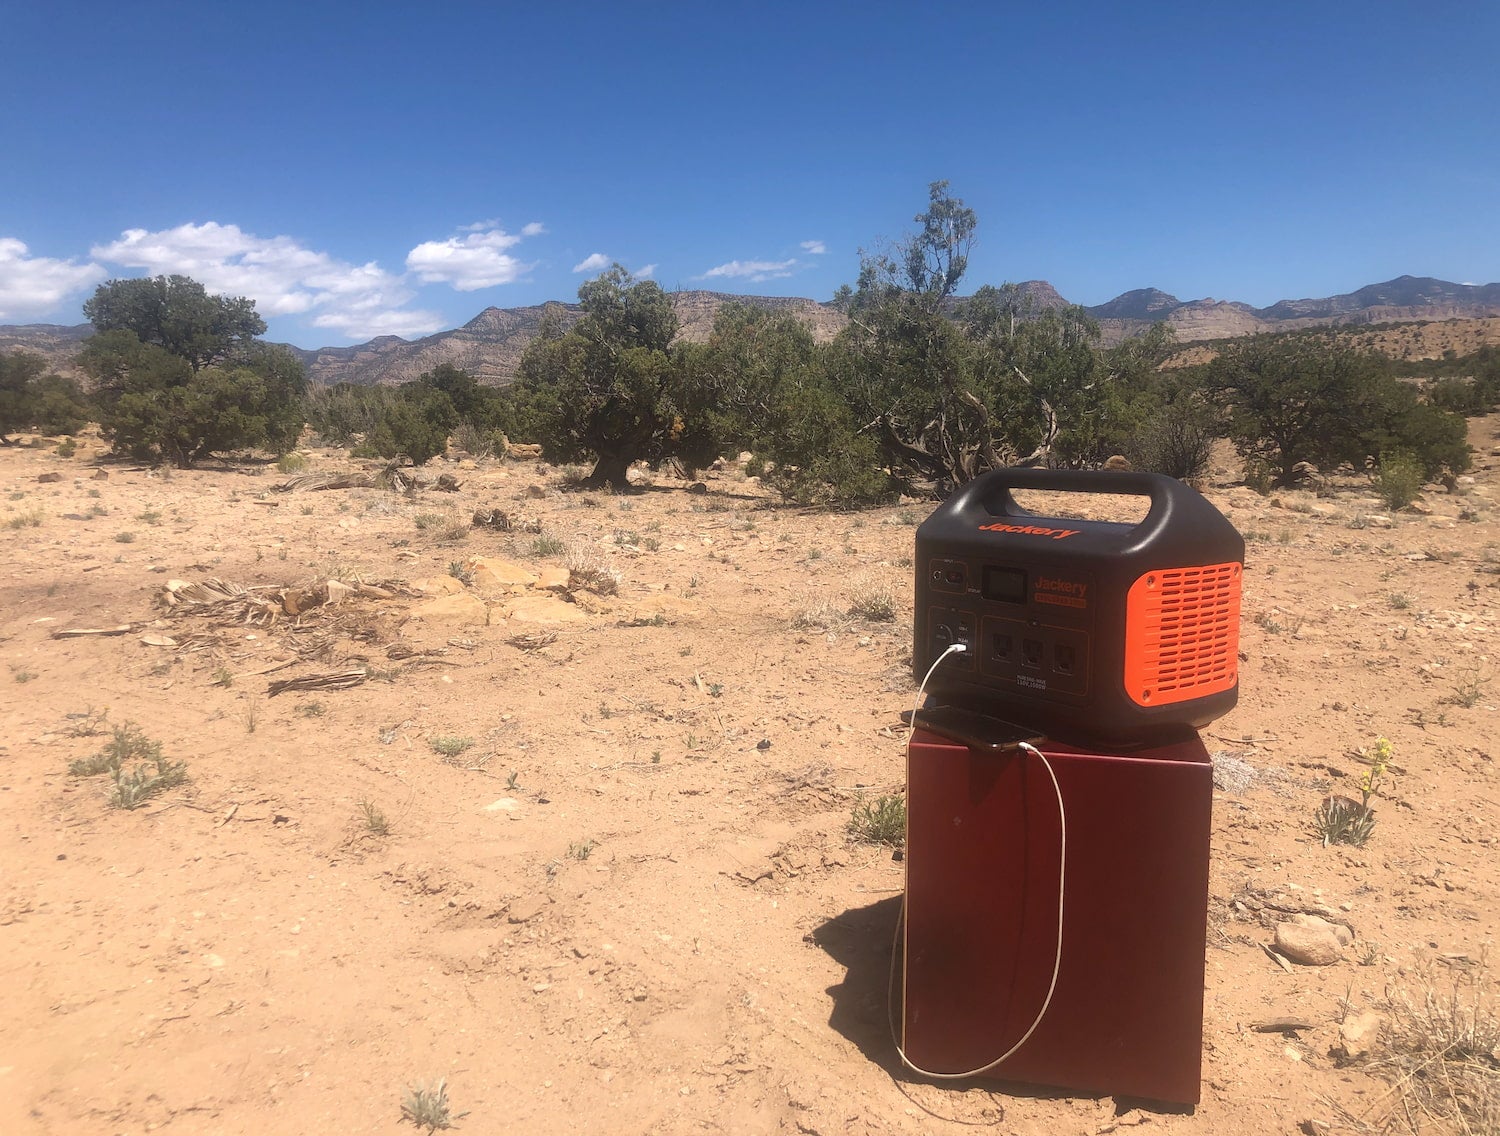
(490, 345)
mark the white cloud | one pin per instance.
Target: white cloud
(533, 229)
(480, 226)
(594, 262)
(816, 248)
(752, 270)
(471, 262)
(282, 276)
(32, 286)
(645, 272)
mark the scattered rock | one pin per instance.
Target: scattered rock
(103, 475)
(697, 487)
(1357, 1035)
(462, 609)
(1310, 946)
(437, 586)
(338, 591)
(535, 492)
(1378, 521)
(552, 579)
(594, 605)
(48, 478)
(1342, 932)
(491, 572)
(541, 609)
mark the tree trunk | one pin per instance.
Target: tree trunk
(609, 471)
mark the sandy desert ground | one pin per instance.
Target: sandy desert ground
(631, 905)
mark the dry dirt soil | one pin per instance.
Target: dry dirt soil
(630, 904)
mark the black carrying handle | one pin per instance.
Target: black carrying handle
(991, 491)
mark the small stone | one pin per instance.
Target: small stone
(1377, 521)
(1358, 1034)
(48, 478)
(338, 591)
(639, 996)
(535, 492)
(1310, 946)
(763, 744)
(1341, 931)
(103, 475)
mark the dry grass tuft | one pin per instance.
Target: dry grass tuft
(816, 614)
(588, 569)
(872, 599)
(1440, 1049)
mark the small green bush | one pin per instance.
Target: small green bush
(882, 821)
(152, 774)
(1398, 479)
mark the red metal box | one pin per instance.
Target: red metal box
(981, 929)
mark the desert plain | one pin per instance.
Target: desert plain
(582, 854)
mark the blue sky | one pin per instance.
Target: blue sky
(372, 168)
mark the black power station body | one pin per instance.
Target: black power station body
(1085, 631)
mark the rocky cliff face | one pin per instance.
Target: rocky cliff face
(1403, 300)
(1148, 304)
(490, 345)
(1377, 303)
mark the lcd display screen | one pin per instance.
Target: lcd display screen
(1008, 585)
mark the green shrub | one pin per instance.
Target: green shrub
(1398, 479)
(1177, 440)
(152, 774)
(880, 822)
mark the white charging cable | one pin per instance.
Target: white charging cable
(1062, 872)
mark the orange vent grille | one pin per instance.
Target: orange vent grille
(1182, 633)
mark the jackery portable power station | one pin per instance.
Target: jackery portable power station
(1084, 630)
